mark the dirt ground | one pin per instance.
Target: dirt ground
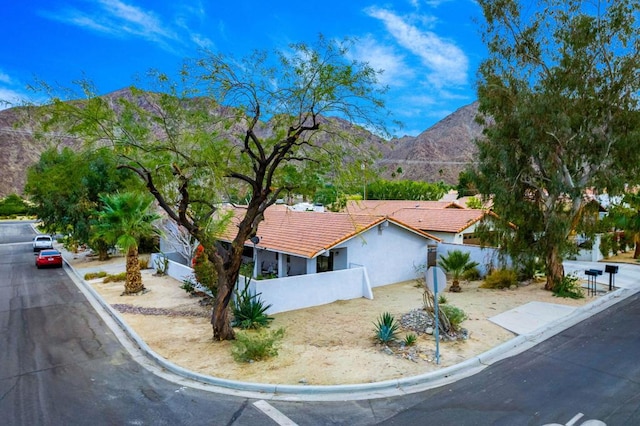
(324, 345)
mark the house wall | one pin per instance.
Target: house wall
(291, 293)
(175, 270)
(592, 255)
(487, 257)
(340, 259)
(389, 253)
(448, 237)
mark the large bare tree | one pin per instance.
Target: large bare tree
(235, 129)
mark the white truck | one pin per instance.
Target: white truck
(42, 242)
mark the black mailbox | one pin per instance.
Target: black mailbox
(611, 270)
(591, 280)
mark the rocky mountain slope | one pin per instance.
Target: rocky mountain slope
(439, 153)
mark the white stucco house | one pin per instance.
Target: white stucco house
(293, 243)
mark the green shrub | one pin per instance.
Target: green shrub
(205, 272)
(386, 328)
(143, 261)
(92, 275)
(246, 269)
(161, 264)
(472, 274)
(13, 205)
(188, 285)
(501, 278)
(122, 276)
(442, 299)
(530, 268)
(249, 311)
(455, 315)
(569, 287)
(256, 346)
(410, 339)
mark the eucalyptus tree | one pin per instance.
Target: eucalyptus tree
(229, 127)
(558, 95)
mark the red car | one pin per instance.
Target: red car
(49, 258)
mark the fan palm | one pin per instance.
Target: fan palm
(456, 263)
(125, 219)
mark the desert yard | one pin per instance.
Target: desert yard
(325, 345)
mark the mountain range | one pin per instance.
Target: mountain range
(439, 153)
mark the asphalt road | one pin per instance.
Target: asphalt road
(61, 365)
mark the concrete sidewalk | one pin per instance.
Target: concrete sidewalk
(535, 322)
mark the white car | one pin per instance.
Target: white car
(42, 242)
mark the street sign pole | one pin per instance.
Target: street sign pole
(435, 303)
(432, 279)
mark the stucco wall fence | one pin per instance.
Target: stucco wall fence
(298, 292)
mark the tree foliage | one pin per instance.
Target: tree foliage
(236, 127)
(626, 216)
(12, 205)
(65, 188)
(405, 190)
(559, 99)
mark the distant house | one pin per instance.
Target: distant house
(388, 207)
(446, 220)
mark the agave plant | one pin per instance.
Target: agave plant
(249, 311)
(386, 328)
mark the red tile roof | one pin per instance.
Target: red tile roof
(389, 207)
(440, 220)
(308, 234)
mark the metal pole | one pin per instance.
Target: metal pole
(435, 303)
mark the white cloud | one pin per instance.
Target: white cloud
(10, 97)
(4, 78)
(119, 19)
(382, 58)
(446, 63)
(201, 41)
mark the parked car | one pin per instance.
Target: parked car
(51, 258)
(41, 242)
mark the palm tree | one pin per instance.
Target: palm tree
(456, 263)
(126, 218)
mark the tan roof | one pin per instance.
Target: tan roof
(440, 220)
(309, 234)
(389, 207)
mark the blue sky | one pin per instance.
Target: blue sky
(429, 49)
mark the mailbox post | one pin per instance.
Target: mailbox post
(591, 280)
(611, 270)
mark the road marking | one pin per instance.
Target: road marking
(274, 414)
(575, 419)
(572, 422)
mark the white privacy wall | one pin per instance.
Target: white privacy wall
(389, 253)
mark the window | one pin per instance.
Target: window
(324, 263)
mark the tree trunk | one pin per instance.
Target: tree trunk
(455, 286)
(555, 270)
(220, 319)
(133, 283)
(636, 252)
(103, 254)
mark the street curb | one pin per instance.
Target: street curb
(361, 391)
